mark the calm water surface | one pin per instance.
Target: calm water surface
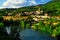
(26, 34)
(29, 34)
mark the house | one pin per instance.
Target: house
(37, 12)
(10, 13)
(27, 13)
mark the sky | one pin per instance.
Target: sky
(20, 3)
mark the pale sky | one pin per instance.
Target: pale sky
(20, 3)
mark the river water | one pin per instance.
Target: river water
(28, 34)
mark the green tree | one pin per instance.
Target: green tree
(2, 25)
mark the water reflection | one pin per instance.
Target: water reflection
(8, 30)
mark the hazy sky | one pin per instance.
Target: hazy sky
(20, 3)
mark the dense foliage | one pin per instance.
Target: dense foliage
(52, 7)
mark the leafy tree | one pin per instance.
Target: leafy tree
(52, 7)
(1, 25)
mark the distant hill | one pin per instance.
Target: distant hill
(52, 7)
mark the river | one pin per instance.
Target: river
(27, 34)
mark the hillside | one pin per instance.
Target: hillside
(41, 17)
(52, 7)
